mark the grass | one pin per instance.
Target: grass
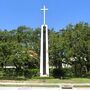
(43, 82)
(70, 80)
(51, 80)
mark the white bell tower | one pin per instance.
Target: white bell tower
(44, 58)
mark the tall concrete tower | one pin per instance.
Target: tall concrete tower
(44, 58)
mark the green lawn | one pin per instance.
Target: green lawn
(43, 80)
(46, 82)
(72, 80)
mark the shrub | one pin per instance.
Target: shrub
(35, 72)
(58, 73)
(87, 75)
(9, 72)
(62, 73)
(68, 72)
(29, 73)
(51, 71)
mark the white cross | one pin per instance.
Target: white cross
(44, 10)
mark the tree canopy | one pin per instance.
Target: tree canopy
(69, 46)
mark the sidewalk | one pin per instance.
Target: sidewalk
(43, 84)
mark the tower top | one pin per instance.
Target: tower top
(44, 11)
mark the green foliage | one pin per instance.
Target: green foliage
(21, 48)
(62, 73)
(29, 73)
(68, 73)
(87, 75)
(58, 73)
(35, 72)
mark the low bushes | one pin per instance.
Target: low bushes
(58, 73)
(87, 75)
(29, 73)
(62, 73)
(12, 73)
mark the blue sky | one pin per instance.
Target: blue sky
(14, 13)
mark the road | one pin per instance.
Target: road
(39, 88)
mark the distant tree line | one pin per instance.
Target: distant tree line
(20, 49)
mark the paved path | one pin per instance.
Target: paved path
(27, 88)
(59, 84)
(42, 86)
(38, 88)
